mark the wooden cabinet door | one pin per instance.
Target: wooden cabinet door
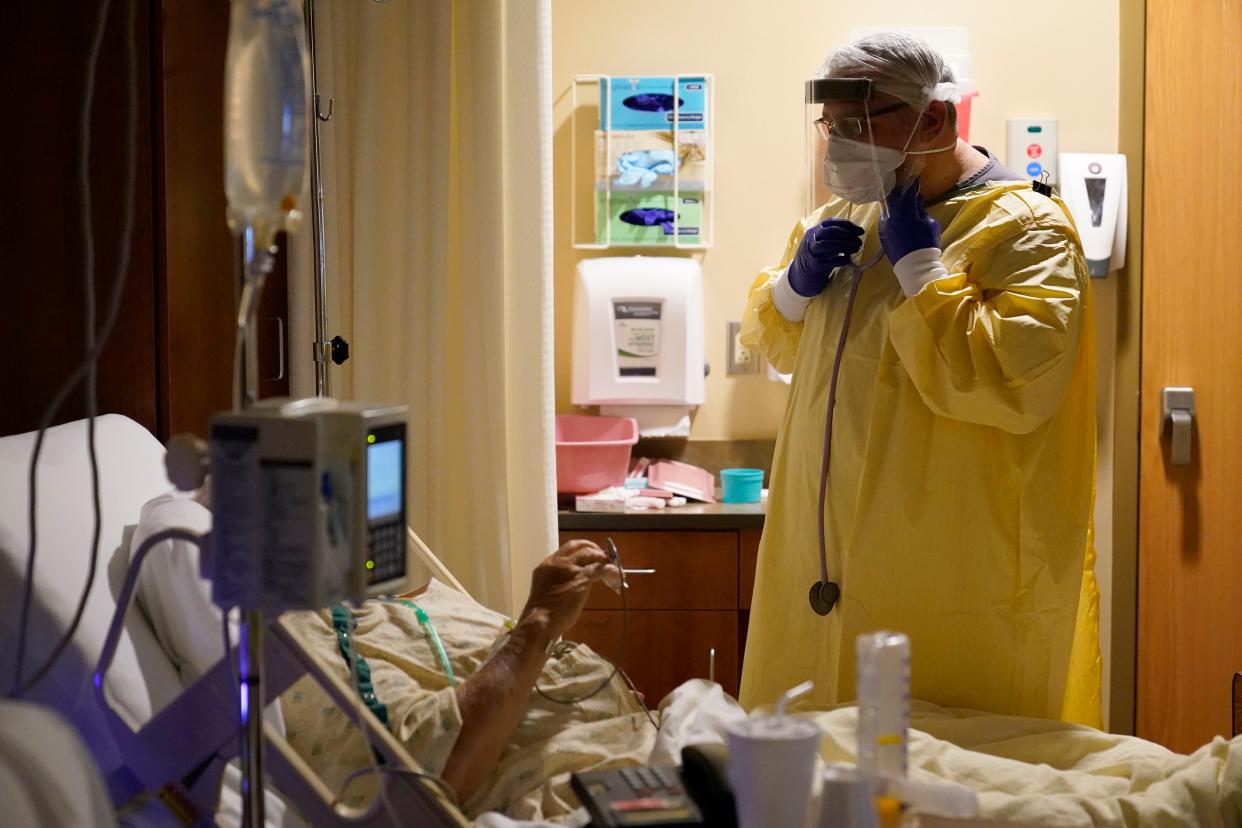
(748, 558)
(1190, 555)
(664, 648)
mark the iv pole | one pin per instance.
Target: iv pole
(253, 266)
(250, 650)
(323, 350)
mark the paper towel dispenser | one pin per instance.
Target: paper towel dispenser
(1094, 188)
(638, 339)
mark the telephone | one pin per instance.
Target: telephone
(698, 793)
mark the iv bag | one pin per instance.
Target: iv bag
(267, 110)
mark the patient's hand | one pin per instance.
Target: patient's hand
(492, 700)
(560, 584)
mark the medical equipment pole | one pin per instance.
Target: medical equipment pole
(323, 348)
(254, 264)
(251, 662)
(265, 125)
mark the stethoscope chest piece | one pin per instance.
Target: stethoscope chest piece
(824, 596)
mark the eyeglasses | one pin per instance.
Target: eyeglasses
(851, 128)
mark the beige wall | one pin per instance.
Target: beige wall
(760, 52)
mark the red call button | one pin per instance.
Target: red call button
(1034, 150)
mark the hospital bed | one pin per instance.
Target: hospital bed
(1029, 771)
(143, 706)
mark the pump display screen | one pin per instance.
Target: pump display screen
(385, 477)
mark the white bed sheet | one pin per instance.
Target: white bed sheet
(1030, 772)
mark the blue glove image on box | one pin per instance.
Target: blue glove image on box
(652, 102)
(650, 217)
(648, 102)
(643, 167)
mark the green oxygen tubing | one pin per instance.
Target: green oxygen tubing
(425, 622)
(343, 625)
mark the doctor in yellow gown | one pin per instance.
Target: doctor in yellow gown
(960, 490)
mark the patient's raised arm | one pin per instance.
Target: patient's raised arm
(493, 700)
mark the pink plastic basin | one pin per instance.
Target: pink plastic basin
(592, 453)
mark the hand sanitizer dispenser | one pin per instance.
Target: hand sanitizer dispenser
(638, 340)
(1094, 188)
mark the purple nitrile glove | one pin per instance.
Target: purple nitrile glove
(908, 227)
(825, 247)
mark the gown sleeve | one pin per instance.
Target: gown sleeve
(763, 325)
(995, 342)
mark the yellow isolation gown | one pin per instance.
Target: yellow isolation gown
(960, 496)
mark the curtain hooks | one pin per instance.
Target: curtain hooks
(331, 109)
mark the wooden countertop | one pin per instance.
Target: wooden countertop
(701, 516)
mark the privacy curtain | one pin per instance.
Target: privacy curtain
(437, 178)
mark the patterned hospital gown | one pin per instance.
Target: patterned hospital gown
(531, 778)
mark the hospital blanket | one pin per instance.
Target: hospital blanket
(1031, 772)
(1028, 771)
(531, 780)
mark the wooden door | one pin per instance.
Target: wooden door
(169, 361)
(42, 301)
(198, 308)
(1190, 533)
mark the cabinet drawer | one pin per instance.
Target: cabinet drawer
(664, 648)
(692, 570)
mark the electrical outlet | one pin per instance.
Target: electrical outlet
(742, 360)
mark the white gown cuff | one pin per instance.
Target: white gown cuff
(918, 268)
(788, 301)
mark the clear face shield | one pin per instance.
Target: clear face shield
(842, 158)
(818, 127)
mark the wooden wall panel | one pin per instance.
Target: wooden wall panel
(197, 305)
(42, 311)
(168, 364)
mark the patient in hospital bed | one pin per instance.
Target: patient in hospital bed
(507, 736)
(503, 741)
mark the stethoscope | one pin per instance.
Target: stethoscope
(825, 592)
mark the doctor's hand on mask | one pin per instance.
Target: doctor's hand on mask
(825, 247)
(561, 582)
(908, 226)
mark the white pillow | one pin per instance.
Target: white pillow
(176, 599)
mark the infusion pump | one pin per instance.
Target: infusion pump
(308, 502)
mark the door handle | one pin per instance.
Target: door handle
(711, 665)
(1177, 422)
(280, 347)
(638, 571)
